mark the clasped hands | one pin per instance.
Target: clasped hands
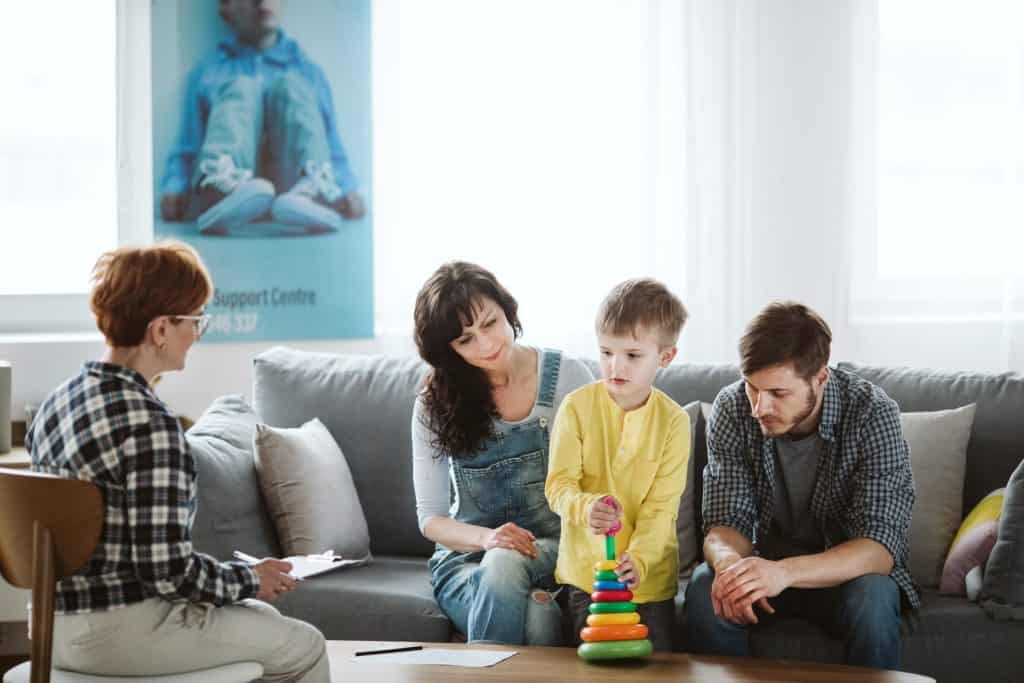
(743, 583)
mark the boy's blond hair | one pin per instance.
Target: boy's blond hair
(642, 304)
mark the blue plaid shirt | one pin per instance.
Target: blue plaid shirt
(864, 486)
(107, 426)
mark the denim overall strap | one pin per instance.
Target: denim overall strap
(552, 365)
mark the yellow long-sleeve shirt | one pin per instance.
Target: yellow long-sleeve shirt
(640, 457)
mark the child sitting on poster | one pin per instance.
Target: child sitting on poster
(259, 116)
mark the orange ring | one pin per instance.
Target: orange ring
(597, 634)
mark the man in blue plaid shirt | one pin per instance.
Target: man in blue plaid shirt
(807, 499)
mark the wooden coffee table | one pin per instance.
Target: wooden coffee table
(561, 664)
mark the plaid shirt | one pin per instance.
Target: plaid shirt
(864, 487)
(107, 426)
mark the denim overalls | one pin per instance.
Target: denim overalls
(488, 595)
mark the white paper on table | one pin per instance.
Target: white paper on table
(439, 656)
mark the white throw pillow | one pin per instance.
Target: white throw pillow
(309, 491)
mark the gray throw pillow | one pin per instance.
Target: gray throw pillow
(1002, 591)
(230, 514)
(309, 490)
(938, 459)
(686, 523)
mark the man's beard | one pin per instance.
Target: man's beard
(809, 406)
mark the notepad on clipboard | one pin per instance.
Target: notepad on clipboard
(306, 566)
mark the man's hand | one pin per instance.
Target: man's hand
(173, 206)
(627, 571)
(603, 516)
(743, 583)
(351, 206)
(274, 578)
(511, 536)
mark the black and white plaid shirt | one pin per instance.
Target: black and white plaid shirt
(107, 426)
(864, 486)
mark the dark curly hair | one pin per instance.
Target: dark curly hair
(457, 395)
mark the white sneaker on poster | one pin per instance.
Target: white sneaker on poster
(309, 202)
(232, 194)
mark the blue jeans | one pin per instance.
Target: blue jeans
(865, 612)
(497, 599)
(272, 129)
(489, 596)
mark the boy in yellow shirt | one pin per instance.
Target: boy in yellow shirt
(622, 438)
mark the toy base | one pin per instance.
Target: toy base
(615, 649)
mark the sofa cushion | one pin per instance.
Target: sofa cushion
(1003, 587)
(938, 447)
(308, 487)
(366, 404)
(687, 531)
(998, 432)
(230, 514)
(390, 599)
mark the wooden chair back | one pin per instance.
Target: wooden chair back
(49, 527)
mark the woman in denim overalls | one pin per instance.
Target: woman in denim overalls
(480, 458)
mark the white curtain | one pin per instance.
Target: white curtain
(568, 145)
(861, 156)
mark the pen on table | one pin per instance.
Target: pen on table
(407, 648)
(239, 555)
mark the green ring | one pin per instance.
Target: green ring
(611, 607)
(615, 649)
(606, 575)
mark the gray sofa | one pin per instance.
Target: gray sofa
(366, 403)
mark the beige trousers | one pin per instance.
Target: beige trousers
(158, 637)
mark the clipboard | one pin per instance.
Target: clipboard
(306, 566)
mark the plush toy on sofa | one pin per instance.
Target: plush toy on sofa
(963, 571)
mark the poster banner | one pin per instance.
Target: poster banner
(262, 160)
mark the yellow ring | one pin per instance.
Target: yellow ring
(620, 619)
(605, 565)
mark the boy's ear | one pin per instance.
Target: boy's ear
(667, 355)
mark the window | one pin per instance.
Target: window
(949, 235)
(58, 179)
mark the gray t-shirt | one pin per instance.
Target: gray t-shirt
(430, 474)
(793, 531)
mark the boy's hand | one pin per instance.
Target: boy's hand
(627, 571)
(514, 537)
(603, 516)
(173, 206)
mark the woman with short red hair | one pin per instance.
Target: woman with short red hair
(146, 602)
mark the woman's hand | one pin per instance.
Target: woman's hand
(603, 516)
(627, 571)
(513, 537)
(274, 578)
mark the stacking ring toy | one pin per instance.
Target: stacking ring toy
(613, 628)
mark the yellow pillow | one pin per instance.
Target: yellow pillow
(988, 508)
